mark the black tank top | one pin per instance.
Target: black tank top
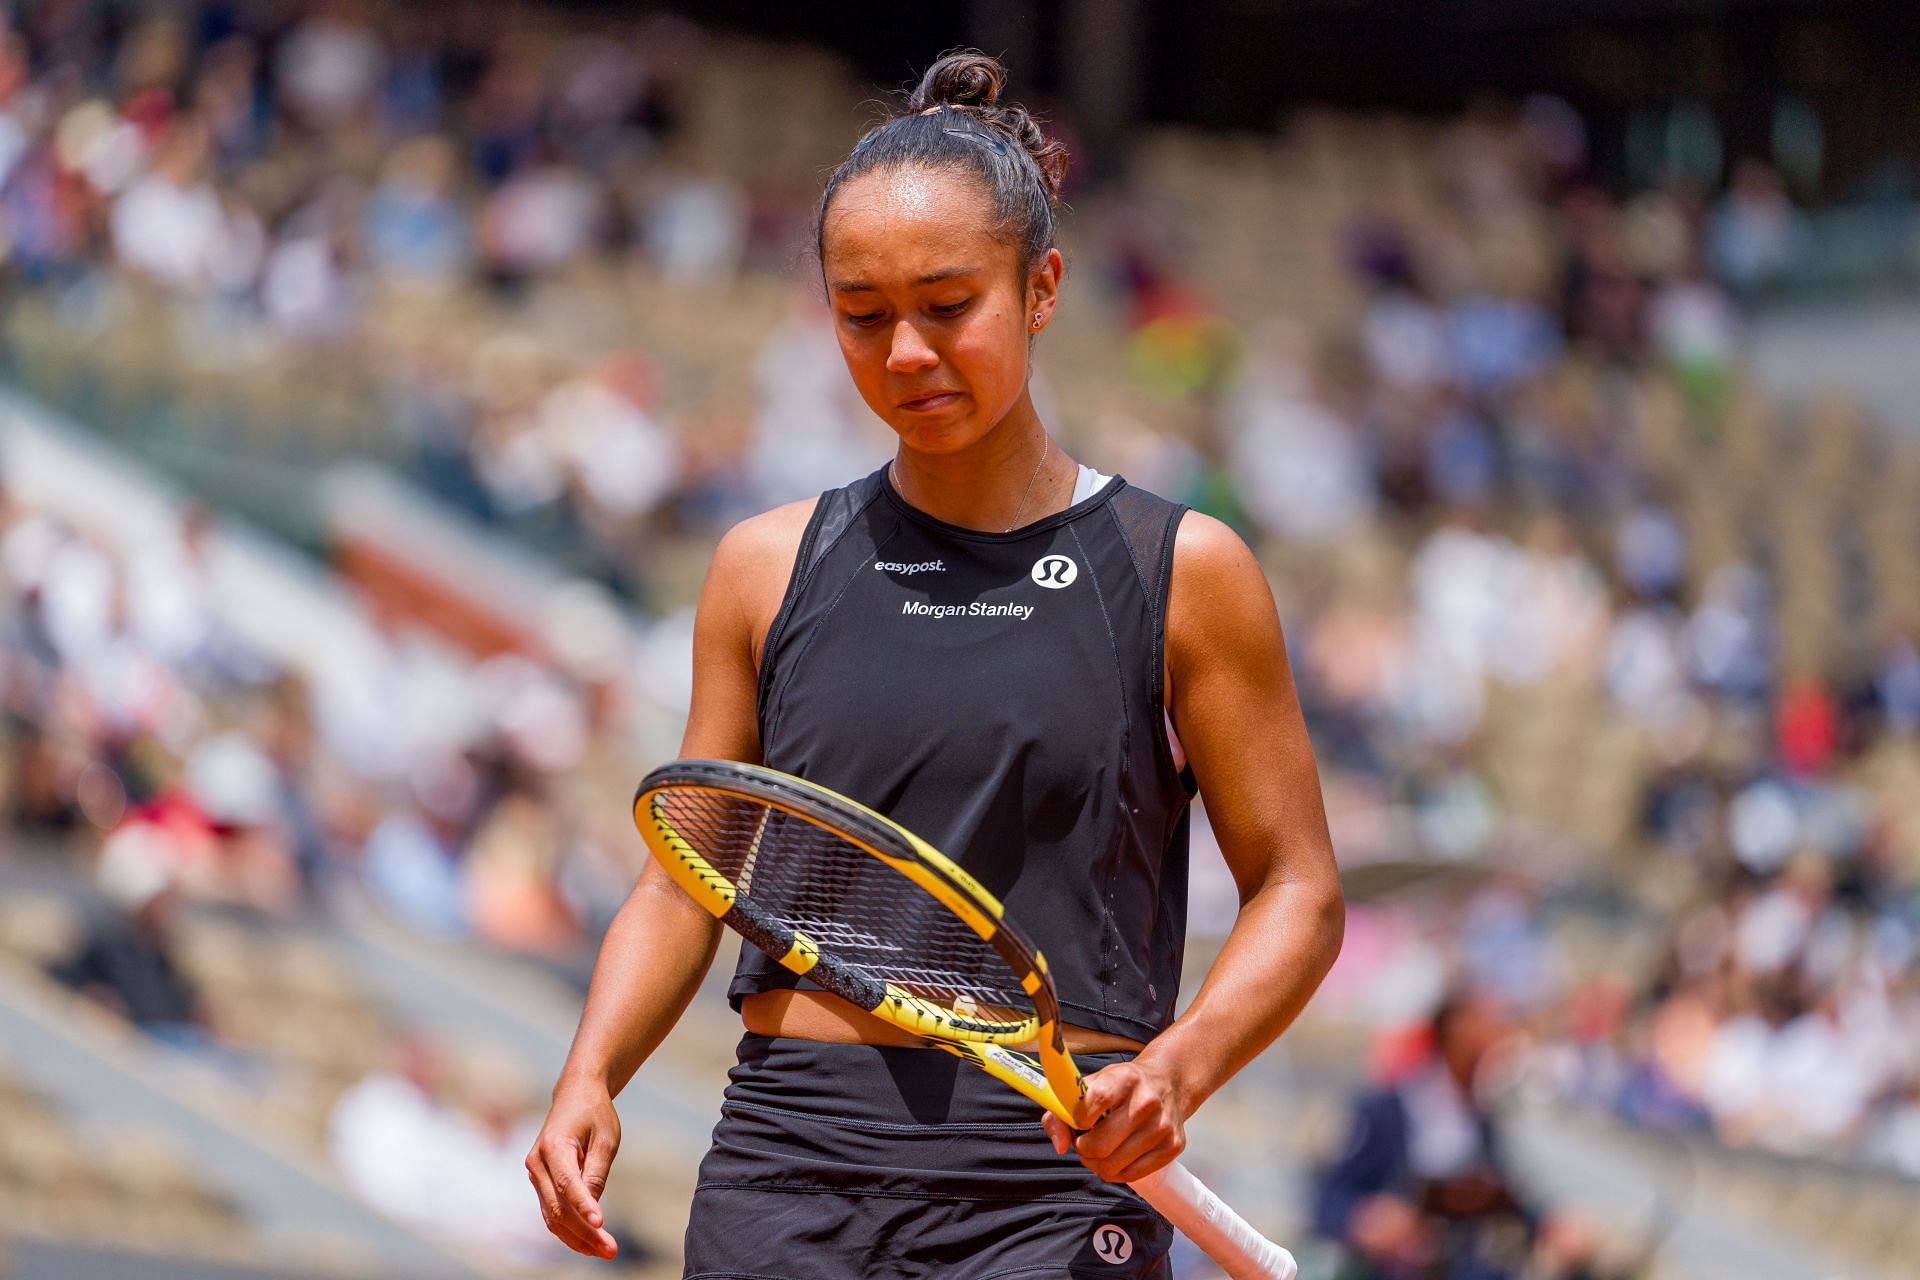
(1001, 696)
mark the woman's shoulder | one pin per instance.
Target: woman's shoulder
(1218, 587)
(1203, 546)
(1206, 545)
(786, 522)
(748, 573)
(765, 543)
(765, 546)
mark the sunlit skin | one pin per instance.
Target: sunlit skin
(928, 302)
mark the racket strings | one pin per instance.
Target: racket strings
(863, 915)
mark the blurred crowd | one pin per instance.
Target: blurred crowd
(379, 191)
(133, 707)
(437, 1141)
(1486, 411)
(1449, 474)
(187, 769)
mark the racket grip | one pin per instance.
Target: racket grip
(1207, 1220)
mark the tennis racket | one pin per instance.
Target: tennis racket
(880, 918)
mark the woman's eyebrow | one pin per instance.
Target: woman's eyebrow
(935, 277)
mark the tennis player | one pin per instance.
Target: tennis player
(1033, 666)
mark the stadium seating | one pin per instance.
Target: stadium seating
(57, 1183)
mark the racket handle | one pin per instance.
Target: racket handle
(1208, 1221)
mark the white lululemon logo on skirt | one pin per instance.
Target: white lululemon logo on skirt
(1112, 1243)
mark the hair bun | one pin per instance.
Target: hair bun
(962, 78)
(969, 78)
(954, 121)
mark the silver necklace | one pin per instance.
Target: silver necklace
(1046, 451)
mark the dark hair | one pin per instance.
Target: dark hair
(954, 120)
(1455, 1002)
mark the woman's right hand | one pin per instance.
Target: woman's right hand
(569, 1162)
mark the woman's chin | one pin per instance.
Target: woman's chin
(937, 437)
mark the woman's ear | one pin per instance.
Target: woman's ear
(1043, 289)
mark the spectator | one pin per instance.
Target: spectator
(235, 844)
(1299, 465)
(388, 1134)
(1728, 636)
(442, 1150)
(414, 228)
(695, 226)
(546, 215)
(1501, 339)
(1649, 550)
(1896, 1141)
(513, 897)
(411, 865)
(126, 963)
(1402, 333)
(1896, 681)
(1645, 663)
(1694, 328)
(624, 462)
(485, 1141)
(172, 226)
(329, 65)
(1421, 1186)
(169, 581)
(1755, 236)
(14, 140)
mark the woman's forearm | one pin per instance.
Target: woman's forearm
(655, 953)
(1281, 946)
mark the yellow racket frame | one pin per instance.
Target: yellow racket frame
(1050, 1078)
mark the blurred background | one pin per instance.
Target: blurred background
(376, 377)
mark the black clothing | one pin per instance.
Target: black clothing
(1001, 695)
(840, 1160)
(135, 968)
(1382, 1156)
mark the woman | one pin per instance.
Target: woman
(1027, 663)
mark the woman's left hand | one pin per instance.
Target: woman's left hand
(1141, 1125)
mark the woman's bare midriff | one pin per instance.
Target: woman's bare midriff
(816, 1015)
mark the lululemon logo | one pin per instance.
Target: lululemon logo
(1112, 1243)
(1055, 571)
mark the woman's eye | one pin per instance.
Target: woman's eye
(950, 309)
(865, 320)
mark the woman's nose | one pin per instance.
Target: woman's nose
(909, 351)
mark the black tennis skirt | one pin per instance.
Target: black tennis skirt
(834, 1161)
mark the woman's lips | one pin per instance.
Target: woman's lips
(938, 400)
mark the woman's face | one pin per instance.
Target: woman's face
(932, 312)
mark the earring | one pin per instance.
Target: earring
(1036, 319)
